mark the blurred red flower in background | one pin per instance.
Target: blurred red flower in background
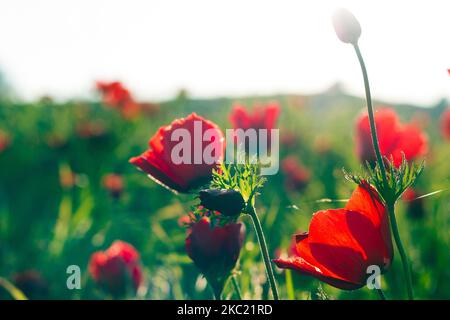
(115, 95)
(114, 184)
(343, 243)
(4, 140)
(445, 124)
(90, 129)
(262, 116)
(158, 164)
(67, 178)
(215, 249)
(296, 175)
(117, 269)
(394, 138)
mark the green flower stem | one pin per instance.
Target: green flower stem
(264, 252)
(289, 284)
(401, 250)
(236, 287)
(373, 130)
(381, 294)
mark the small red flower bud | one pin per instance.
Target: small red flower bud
(116, 268)
(227, 201)
(215, 250)
(346, 26)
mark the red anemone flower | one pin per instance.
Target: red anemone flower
(115, 95)
(445, 124)
(262, 117)
(395, 138)
(182, 171)
(215, 249)
(116, 268)
(343, 243)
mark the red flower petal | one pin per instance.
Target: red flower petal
(157, 161)
(342, 243)
(394, 138)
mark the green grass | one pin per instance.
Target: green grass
(47, 228)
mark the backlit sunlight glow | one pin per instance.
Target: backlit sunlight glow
(219, 48)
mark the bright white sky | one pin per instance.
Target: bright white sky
(216, 48)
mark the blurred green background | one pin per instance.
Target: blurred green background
(46, 226)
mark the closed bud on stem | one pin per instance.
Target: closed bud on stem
(228, 202)
(347, 27)
(215, 250)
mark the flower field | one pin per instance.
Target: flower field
(94, 206)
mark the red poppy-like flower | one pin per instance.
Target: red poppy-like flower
(114, 184)
(394, 138)
(343, 243)
(4, 140)
(115, 95)
(183, 171)
(215, 249)
(445, 124)
(296, 176)
(262, 116)
(117, 269)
